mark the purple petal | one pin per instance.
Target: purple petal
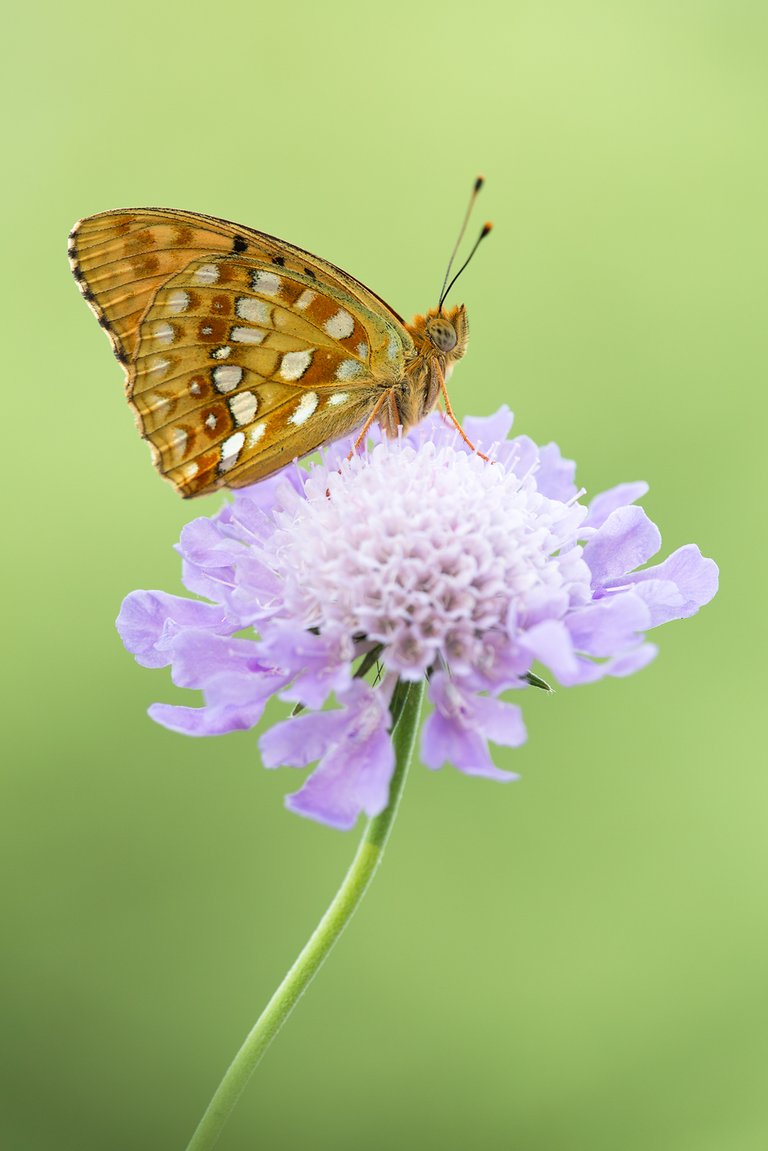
(485, 431)
(500, 663)
(243, 689)
(608, 626)
(553, 645)
(664, 599)
(627, 539)
(520, 455)
(498, 721)
(606, 502)
(257, 593)
(301, 740)
(150, 620)
(199, 656)
(632, 661)
(550, 643)
(262, 497)
(354, 773)
(556, 476)
(541, 603)
(445, 740)
(458, 729)
(236, 703)
(203, 544)
(320, 664)
(678, 587)
(346, 783)
(208, 559)
(190, 720)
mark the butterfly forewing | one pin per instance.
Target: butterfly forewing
(242, 352)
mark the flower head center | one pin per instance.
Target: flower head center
(423, 551)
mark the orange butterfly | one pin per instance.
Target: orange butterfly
(243, 352)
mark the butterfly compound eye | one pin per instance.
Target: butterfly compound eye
(442, 334)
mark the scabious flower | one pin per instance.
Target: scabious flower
(420, 559)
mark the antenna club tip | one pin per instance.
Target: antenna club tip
(487, 227)
(479, 183)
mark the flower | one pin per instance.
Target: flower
(420, 557)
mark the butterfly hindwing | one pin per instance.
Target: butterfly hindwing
(241, 366)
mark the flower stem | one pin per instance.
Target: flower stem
(406, 710)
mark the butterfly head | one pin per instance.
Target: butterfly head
(445, 330)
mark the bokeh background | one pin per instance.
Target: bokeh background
(577, 962)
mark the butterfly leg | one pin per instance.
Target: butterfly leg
(386, 398)
(452, 416)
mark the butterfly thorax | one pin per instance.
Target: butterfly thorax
(439, 339)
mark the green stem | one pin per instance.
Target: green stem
(406, 710)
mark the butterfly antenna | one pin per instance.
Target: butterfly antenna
(483, 233)
(473, 196)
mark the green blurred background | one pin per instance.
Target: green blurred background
(573, 963)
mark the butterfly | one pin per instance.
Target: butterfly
(243, 352)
